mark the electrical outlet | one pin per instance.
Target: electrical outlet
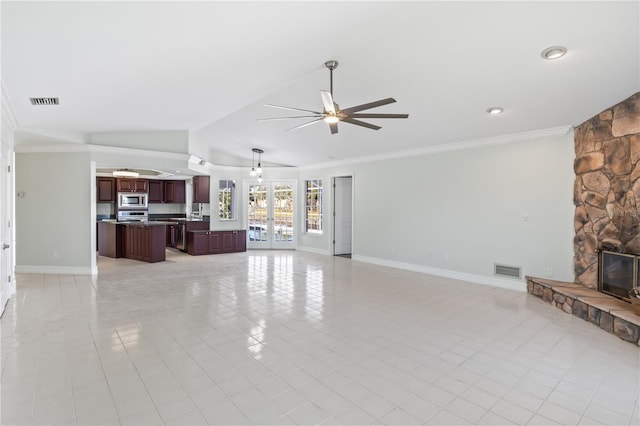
(549, 273)
(55, 254)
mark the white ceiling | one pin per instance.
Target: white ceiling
(209, 67)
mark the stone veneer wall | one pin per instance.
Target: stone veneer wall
(607, 187)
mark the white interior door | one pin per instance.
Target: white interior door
(7, 286)
(270, 215)
(342, 218)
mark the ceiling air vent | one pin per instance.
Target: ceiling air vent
(44, 101)
(507, 271)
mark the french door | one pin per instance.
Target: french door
(270, 215)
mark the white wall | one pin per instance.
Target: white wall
(457, 213)
(452, 213)
(54, 215)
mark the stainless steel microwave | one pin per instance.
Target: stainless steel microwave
(132, 200)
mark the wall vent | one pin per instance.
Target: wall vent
(44, 101)
(507, 271)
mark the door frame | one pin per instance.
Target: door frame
(7, 215)
(270, 244)
(336, 205)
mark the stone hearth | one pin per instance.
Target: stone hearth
(607, 312)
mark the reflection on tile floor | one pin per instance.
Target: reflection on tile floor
(284, 337)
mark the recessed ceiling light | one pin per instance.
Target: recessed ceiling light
(553, 52)
(495, 110)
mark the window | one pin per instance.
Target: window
(313, 206)
(226, 200)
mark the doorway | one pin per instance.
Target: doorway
(342, 215)
(270, 215)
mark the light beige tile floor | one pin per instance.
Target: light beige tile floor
(284, 337)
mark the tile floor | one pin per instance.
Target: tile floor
(288, 337)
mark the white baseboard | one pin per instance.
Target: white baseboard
(463, 276)
(44, 269)
(314, 250)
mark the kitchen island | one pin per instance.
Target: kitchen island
(144, 241)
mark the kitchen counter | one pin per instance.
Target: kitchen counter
(141, 222)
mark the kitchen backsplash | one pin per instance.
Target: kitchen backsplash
(166, 208)
(105, 209)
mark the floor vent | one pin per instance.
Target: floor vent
(507, 271)
(44, 101)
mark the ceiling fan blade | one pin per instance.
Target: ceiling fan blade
(286, 118)
(327, 101)
(334, 128)
(368, 106)
(378, 115)
(291, 108)
(360, 123)
(306, 124)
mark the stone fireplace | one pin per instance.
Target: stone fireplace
(607, 188)
(607, 224)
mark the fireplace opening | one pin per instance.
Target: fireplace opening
(618, 273)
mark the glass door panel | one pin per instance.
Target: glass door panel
(283, 213)
(270, 213)
(257, 215)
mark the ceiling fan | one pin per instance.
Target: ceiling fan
(332, 114)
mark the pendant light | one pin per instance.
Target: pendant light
(256, 171)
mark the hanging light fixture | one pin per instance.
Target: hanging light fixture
(256, 171)
(126, 173)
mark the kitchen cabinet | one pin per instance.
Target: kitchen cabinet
(214, 242)
(105, 190)
(166, 191)
(132, 185)
(156, 193)
(174, 191)
(110, 239)
(145, 243)
(201, 189)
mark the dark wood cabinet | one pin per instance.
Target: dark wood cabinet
(214, 242)
(240, 240)
(174, 191)
(110, 239)
(145, 243)
(166, 191)
(201, 189)
(132, 185)
(105, 190)
(196, 225)
(198, 243)
(156, 194)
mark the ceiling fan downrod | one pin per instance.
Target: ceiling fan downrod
(332, 65)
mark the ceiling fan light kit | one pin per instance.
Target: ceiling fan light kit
(332, 114)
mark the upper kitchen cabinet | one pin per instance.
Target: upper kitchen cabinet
(201, 189)
(174, 191)
(133, 185)
(166, 191)
(156, 193)
(105, 190)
